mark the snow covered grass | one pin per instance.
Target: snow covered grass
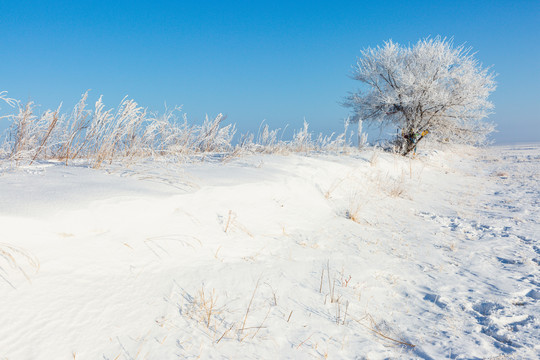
(131, 134)
(366, 255)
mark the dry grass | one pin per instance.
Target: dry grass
(130, 133)
(396, 188)
(232, 223)
(219, 320)
(24, 132)
(249, 306)
(333, 187)
(208, 303)
(374, 158)
(11, 102)
(204, 309)
(102, 136)
(377, 330)
(354, 209)
(391, 186)
(17, 259)
(52, 122)
(341, 305)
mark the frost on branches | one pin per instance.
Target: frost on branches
(430, 88)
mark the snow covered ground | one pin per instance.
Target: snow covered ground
(367, 255)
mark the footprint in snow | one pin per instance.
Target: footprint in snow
(527, 240)
(534, 294)
(509, 261)
(486, 308)
(435, 299)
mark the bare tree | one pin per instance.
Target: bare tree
(429, 88)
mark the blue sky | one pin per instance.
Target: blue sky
(279, 61)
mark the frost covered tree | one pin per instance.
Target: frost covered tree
(429, 88)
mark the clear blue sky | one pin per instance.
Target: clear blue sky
(279, 61)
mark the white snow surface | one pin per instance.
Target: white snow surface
(366, 256)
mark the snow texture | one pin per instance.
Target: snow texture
(371, 256)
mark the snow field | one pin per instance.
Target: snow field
(362, 256)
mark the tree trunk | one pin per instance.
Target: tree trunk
(411, 144)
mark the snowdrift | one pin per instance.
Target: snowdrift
(362, 256)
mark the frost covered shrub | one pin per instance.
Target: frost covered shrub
(429, 88)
